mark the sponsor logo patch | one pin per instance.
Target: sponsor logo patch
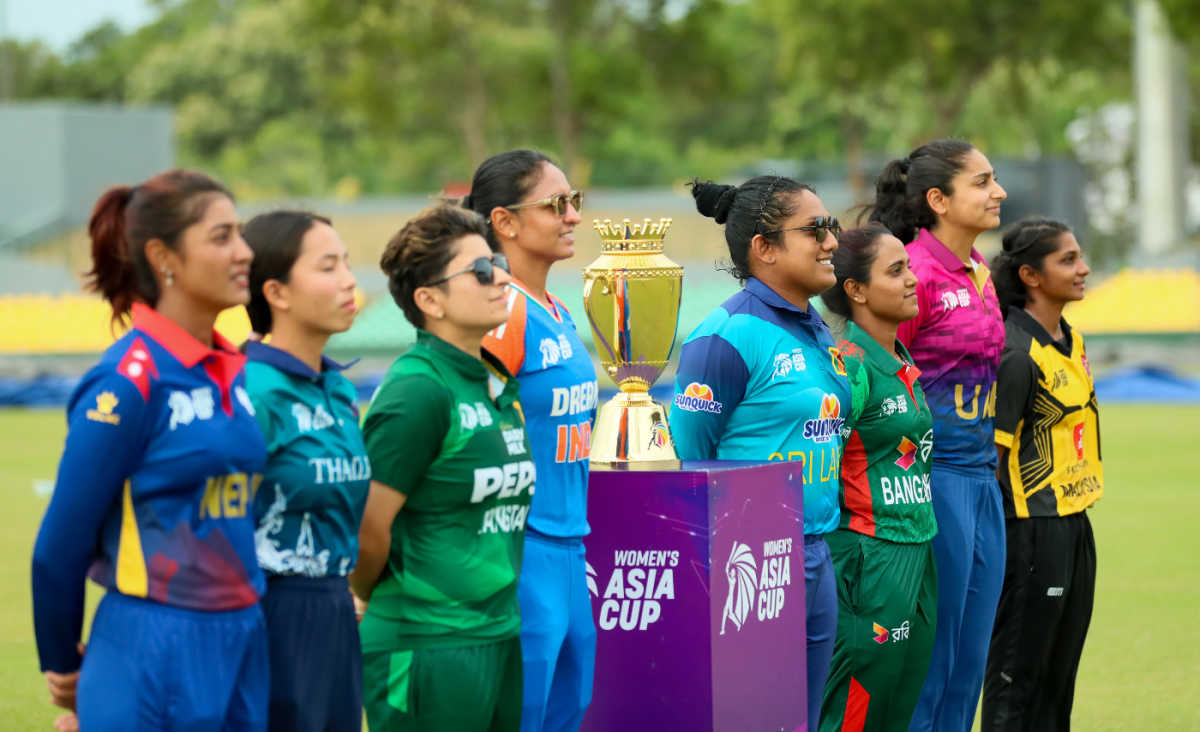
(697, 397)
(908, 453)
(828, 424)
(106, 402)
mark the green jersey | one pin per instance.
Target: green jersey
(446, 430)
(885, 467)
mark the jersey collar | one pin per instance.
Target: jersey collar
(773, 299)
(178, 342)
(1030, 325)
(289, 364)
(948, 259)
(463, 362)
(555, 303)
(907, 372)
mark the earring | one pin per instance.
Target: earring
(512, 235)
(169, 277)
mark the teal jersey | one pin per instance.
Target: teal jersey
(314, 488)
(760, 379)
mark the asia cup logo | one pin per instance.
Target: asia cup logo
(828, 424)
(659, 436)
(741, 571)
(697, 397)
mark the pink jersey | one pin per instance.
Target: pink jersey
(956, 341)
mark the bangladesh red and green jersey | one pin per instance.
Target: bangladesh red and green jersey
(446, 430)
(885, 467)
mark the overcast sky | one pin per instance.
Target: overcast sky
(59, 22)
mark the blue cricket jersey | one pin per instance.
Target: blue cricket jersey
(155, 490)
(315, 483)
(558, 395)
(760, 379)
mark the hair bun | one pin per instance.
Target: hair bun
(714, 199)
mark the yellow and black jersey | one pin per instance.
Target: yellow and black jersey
(1047, 417)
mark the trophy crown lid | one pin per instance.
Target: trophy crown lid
(627, 236)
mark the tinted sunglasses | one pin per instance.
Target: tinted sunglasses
(558, 202)
(483, 268)
(820, 226)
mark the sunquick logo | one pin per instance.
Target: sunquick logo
(698, 397)
(824, 427)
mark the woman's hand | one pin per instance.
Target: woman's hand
(67, 723)
(62, 688)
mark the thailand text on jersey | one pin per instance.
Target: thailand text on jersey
(156, 485)
(956, 340)
(885, 469)
(1048, 418)
(446, 430)
(540, 346)
(314, 488)
(760, 379)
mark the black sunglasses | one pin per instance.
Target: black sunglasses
(558, 202)
(820, 226)
(483, 268)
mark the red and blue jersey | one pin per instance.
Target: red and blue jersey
(956, 341)
(154, 496)
(540, 346)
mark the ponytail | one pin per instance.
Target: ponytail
(900, 202)
(113, 274)
(1027, 242)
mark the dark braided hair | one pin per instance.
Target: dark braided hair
(758, 206)
(900, 190)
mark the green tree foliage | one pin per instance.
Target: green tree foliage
(312, 96)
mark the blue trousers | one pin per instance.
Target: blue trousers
(150, 666)
(969, 550)
(316, 658)
(558, 639)
(821, 611)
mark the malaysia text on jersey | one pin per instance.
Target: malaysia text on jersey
(314, 486)
(446, 430)
(760, 379)
(1047, 417)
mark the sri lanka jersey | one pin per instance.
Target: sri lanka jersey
(155, 489)
(1048, 418)
(885, 469)
(760, 379)
(445, 429)
(956, 341)
(558, 394)
(314, 487)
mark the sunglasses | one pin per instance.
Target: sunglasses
(558, 202)
(820, 226)
(483, 268)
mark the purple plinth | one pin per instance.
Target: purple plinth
(697, 579)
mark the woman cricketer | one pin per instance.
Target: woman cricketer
(532, 212)
(882, 556)
(154, 498)
(452, 479)
(937, 201)
(760, 378)
(314, 487)
(1048, 442)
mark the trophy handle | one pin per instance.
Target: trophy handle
(597, 333)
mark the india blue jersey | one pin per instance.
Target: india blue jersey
(155, 489)
(314, 487)
(760, 379)
(558, 393)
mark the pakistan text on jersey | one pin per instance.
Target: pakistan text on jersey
(341, 469)
(504, 519)
(507, 480)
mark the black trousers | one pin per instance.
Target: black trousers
(1041, 624)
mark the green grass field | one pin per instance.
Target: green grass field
(1139, 666)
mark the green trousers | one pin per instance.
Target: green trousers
(462, 689)
(887, 613)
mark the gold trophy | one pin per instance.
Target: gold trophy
(631, 295)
